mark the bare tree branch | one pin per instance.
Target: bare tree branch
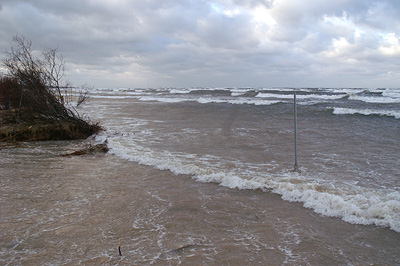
(30, 88)
(54, 70)
(36, 76)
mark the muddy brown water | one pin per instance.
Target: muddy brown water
(76, 211)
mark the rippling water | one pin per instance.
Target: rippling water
(349, 141)
(226, 193)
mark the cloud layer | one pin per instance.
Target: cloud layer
(221, 43)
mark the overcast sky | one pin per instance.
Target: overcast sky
(221, 43)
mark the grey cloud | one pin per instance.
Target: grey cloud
(254, 3)
(186, 42)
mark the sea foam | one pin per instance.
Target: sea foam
(352, 203)
(307, 96)
(350, 111)
(375, 99)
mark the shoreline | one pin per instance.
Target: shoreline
(37, 128)
(77, 210)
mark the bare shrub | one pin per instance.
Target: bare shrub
(8, 96)
(32, 75)
(54, 70)
(36, 84)
(83, 94)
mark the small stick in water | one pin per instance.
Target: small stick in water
(119, 250)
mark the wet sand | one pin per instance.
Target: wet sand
(76, 211)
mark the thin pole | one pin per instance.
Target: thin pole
(296, 166)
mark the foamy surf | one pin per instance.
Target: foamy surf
(256, 97)
(350, 111)
(353, 204)
(300, 96)
(204, 100)
(148, 128)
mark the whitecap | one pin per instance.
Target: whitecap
(352, 203)
(350, 111)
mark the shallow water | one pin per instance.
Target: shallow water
(349, 162)
(77, 210)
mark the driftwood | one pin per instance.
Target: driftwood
(181, 249)
(89, 150)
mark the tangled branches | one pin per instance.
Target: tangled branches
(33, 86)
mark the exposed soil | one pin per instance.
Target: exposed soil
(31, 127)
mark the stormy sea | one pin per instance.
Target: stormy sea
(205, 176)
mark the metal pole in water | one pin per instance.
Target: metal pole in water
(296, 166)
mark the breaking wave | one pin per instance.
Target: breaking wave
(350, 111)
(351, 203)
